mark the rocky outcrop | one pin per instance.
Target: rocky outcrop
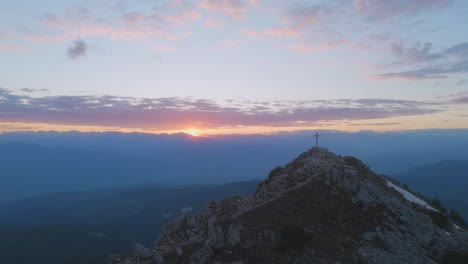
(320, 208)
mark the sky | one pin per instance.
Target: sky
(233, 66)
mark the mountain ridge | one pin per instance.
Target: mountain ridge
(320, 208)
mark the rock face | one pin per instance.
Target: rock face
(320, 208)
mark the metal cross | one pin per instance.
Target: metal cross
(316, 139)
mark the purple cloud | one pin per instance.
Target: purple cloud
(460, 98)
(178, 113)
(29, 90)
(77, 50)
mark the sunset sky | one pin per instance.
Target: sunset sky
(233, 66)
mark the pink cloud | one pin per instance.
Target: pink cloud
(281, 32)
(318, 46)
(77, 22)
(164, 48)
(12, 48)
(182, 18)
(253, 34)
(213, 22)
(235, 9)
(306, 48)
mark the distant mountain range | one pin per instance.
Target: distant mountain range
(445, 180)
(84, 227)
(34, 163)
(29, 169)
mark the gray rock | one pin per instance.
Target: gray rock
(142, 251)
(202, 255)
(364, 196)
(215, 234)
(193, 221)
(180, 222)
(159, 259)
(179, 251)
(233, 235)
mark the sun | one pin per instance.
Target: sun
(192, 132)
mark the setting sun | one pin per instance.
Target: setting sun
(192, 132)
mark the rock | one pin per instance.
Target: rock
(180, 222)
(179, 251)
(364, 196)
(193, 221)
(202, 255)
(233, 235)
(215, 234)
(194, 238)
(142, 251)
(158, 259)
(113, 259)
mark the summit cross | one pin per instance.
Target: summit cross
(316, 139)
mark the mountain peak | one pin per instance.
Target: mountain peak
(320, 208)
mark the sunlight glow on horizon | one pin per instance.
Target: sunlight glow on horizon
(192, 132)
(407, 123)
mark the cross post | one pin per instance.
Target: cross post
(316, 139)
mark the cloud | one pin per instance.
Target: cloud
(281, 32)
(384, 10)
(213, 22)
(459, 50)
(235, 9)
(460, 98)
(178, 113)
(161, 20)
(12, 48)
(418, 53)
(77, 50)
(3, 34)
(253, 34)
(311, 26)
(453, 60)
(315, 24)
(376, 124)
(424, 74)
(462, 82)
(303, 18)
(437, 72)
(29, 90)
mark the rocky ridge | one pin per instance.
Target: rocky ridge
(320, 208)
